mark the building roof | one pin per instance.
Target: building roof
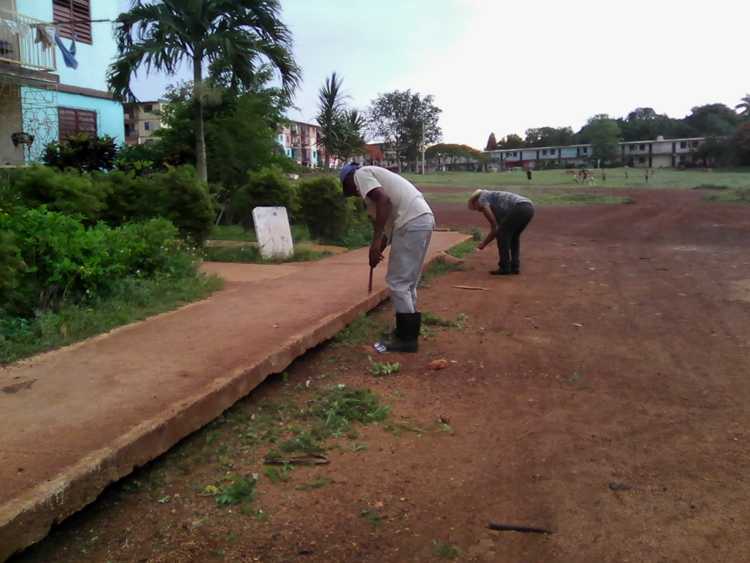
(374, 151)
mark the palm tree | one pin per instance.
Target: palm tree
(235, 37)
(330, 104)
(352, 127)
(744, 106)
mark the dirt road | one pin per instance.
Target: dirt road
(602, 394)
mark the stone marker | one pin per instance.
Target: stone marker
(273, 232)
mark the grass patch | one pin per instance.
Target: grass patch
(541, 197)
(236, 232)
(317, 483)
(131, 300)
(372, 517)
(431, 319)
(278, 474)
(616, 178)
(380, 369)
(739, 195)
(463, 249)
(445, 550)
(340, 406)
(439, 267)
(238, 491)
(251, 255)
(361, 330)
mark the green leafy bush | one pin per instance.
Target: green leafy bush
(181, 197)
(82, 152)
(266, 188)
(323, 208)
(71, 192)
(11, 267)
(65, 261)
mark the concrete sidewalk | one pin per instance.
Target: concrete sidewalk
(79, 418)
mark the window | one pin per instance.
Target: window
(74, 121)
(147, 126)
(641, 159)
(127, 130)
(73, 18)
(683, 144)
(148, 108)
(643, 147)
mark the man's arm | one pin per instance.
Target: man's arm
(382, 213)
(490, 216)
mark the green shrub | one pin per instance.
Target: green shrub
(323, 208)
(65, 261)
(70, 192)
(181, 197)
(358, 228)
(82, 152)
(141, 159)
(267, 188)
(11, 267)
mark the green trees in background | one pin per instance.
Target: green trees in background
(604, 134)
(405, 121)
(237, 39)
(722, 126)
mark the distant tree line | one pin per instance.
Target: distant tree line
(727, 131)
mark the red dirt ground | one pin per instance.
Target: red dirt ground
(602, 394)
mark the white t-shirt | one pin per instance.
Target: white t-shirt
(407, 202)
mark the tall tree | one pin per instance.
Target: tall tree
(405, 120)
(604, 135)
(511, 141)
(330, 107)
(491, 143)
(235, 37)
(744, 106)
(713, 120)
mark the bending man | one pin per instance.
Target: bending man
(402, 219)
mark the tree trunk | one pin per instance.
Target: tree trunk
(200, 134)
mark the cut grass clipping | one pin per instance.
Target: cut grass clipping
(333, 414)
(431, 319)
(463, 249)
(380, 369)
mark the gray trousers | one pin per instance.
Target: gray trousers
(409, 246)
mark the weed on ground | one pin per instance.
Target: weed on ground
(251, 255)
(463, 249)
(361, 330)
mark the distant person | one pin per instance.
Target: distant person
(508, 215)
(528, 174)
(402, 219)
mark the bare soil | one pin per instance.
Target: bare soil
(602, 395)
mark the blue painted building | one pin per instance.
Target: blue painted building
(42, 95)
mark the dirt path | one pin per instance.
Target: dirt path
(602, 394)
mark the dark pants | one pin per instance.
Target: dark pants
(509, 237)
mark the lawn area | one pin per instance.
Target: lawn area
(132, 300)
(661, 178)
(540, 196)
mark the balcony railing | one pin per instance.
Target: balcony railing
(21, 43)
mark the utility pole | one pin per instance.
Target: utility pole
(423, 150)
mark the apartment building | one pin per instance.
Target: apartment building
(142, 120)
(54, 55)
(300, 141)
(655, 153)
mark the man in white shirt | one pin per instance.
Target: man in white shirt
(402, 219)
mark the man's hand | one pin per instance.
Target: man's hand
(376, 254)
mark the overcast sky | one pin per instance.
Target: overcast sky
(506, 66)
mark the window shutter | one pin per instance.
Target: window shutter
(76, 21)
(74, 121)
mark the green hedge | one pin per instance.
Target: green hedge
(115, 197)
(57, 258)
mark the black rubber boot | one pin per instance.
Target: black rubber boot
(406, 336)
